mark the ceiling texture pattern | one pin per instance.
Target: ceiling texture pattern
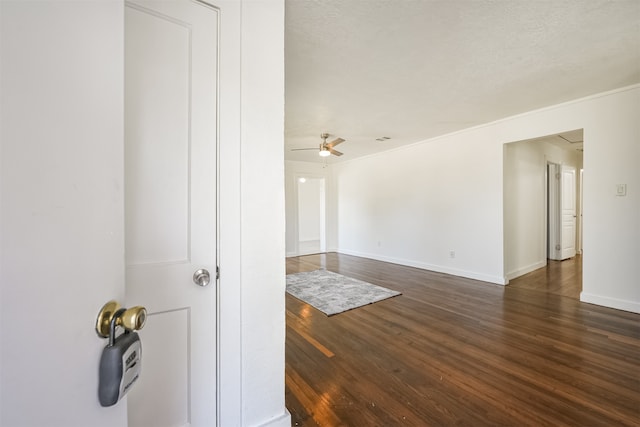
(411, 70)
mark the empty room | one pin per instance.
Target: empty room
(319, 213)
(476, 161)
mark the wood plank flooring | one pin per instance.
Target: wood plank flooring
(454, 351)
(558, 278)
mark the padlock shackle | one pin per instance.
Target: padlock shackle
(112, 326)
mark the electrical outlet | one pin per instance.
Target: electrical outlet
(452, 254)
(621, 190)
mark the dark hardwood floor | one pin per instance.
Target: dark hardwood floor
(455, 351)
(559, 278)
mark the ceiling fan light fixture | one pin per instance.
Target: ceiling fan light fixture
(326, 148)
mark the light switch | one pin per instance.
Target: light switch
(621, 190)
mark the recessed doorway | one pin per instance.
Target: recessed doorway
(542, 209)
(311, 215)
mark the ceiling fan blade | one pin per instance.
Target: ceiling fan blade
(335, 152)
(302, 149)
(335, 142)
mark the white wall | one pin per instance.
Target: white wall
(263, 223)
(309, 205)
(611, 271)
(415, 204)
(525, 211)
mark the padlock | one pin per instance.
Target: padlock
(121, 360)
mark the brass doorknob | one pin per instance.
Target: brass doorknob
(105, 315)
(131, 319)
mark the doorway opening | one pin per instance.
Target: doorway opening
(542, 210)
(311, 222)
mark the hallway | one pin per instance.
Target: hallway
(563, 278)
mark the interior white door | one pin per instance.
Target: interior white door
(170, 206)
(553, 211)
(568, 212)
(581, 205)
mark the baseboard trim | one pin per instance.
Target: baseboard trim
(283, 420)
(497, 280)
(303, 253)
(528, 269)
(618, 304)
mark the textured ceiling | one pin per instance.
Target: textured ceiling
(415, 69)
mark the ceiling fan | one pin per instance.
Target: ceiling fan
(326, 148)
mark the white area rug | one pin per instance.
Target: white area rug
(333, 293)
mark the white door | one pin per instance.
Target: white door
(568, 212)
(561, 211)
(170, 207)
(581, 193)
(553, 211)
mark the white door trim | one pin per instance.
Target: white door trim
(553, 213)
(229, 337)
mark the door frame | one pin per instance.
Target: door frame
(552, 209)
(229, 286)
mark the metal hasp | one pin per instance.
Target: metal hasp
(201, 277)
(112, 327)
